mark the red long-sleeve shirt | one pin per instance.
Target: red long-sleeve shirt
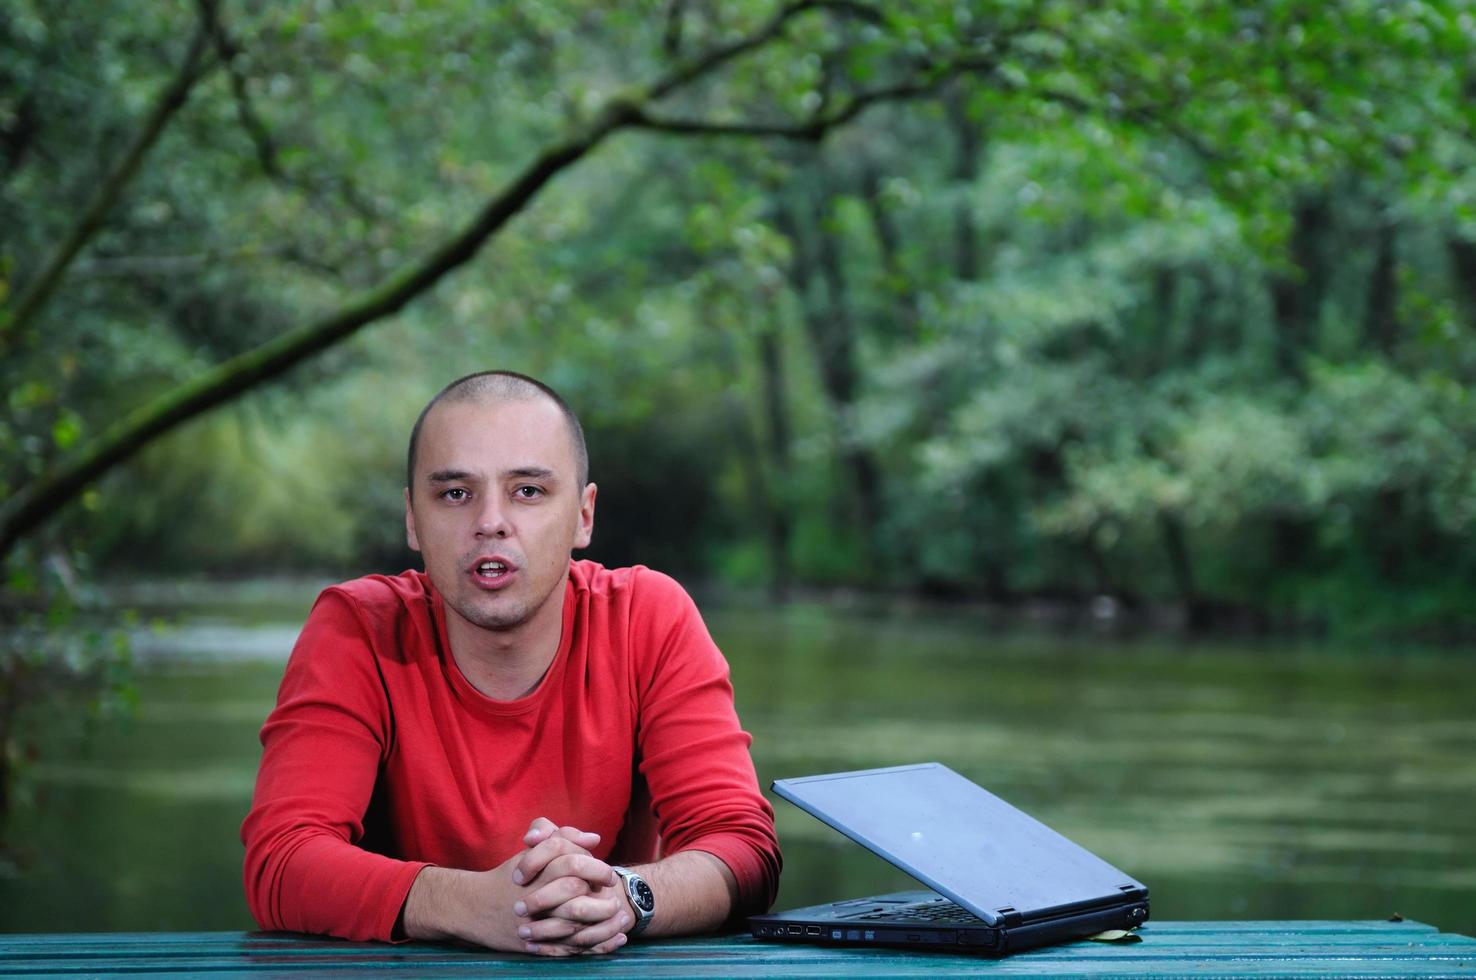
(381, 758)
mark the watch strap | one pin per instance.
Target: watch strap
(642, 899)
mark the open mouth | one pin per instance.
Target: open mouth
(493, 571)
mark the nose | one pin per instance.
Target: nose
(491, 522)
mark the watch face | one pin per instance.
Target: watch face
(640, 893)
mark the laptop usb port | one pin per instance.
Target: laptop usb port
(812, 930)
(796, 930)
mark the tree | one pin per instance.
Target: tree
(80, 417)
(36, 499)
(305, 132)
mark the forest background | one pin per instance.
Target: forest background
(1138, 306)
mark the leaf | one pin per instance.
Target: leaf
(1116, 936)
(66, 430)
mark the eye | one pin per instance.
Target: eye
(528, 492)
(455, 494)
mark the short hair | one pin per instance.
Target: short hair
(500, 386)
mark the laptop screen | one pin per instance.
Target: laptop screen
(958, 838)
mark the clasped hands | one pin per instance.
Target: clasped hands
(573, 902)
(554, 898)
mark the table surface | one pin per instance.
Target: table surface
(1166, 949)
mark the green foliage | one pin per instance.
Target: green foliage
(1098, 309)
(63, 669)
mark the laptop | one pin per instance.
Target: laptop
(1001, 881)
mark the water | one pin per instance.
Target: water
(1237, 782)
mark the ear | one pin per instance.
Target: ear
(410, 538)
(585, 531)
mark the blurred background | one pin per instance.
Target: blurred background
(1081, 398)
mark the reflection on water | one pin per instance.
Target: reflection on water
(1238, 783)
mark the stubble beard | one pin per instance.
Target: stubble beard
(506, 614)
(497, 620)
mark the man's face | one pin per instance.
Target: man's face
(497, 509)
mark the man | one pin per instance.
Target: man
(471, 752)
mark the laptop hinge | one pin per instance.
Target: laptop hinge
(1010, 918)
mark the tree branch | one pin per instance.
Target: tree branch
(18, 137)
(816, 128)
(34, 297)
(38, 500)
(228, 51)
(1152, 116)
(697, 67)
(671, 41)
(177, 265)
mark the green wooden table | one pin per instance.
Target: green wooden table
(1167, 949)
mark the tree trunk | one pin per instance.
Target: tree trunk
(831, 332)
(1389, 534)
(1153, 356)
(898, 284)
(1176, 548)
(1097, 562)
(1296, 298)
(1381, 315)
(1463, 262)
(1196, 332)
(17, 138)
(967, 155)
(780, 522)
(10, 701)
(837, 349)
(1296, 295)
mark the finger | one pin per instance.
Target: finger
(542, 829)
(549, 930)
(586, 909)
(583, 866)
(586, 839)
(561, 949)
(531, 864)
(564, 878)
(532, 869)
(601, 932)
(568, 946)
(536, 904)
(608, 946)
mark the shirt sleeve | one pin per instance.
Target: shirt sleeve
(693, 753)
(321, 752)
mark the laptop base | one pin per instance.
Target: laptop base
(920, 920)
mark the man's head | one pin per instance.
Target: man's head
(497, 497)
(499, 386)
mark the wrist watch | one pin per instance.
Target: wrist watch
(642, 899)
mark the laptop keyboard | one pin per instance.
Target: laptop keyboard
(932, 912)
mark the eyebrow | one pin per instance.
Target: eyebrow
(532, 472)
(456, 476)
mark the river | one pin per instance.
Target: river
(1238, 780)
